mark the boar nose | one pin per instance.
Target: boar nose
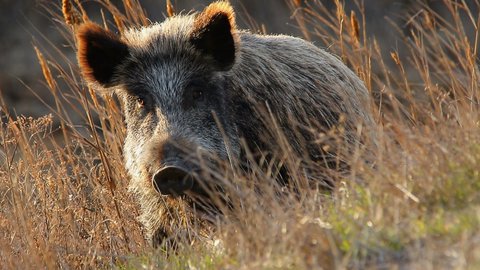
(172, 180)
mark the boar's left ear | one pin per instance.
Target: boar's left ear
(214, 34)
(100, 52)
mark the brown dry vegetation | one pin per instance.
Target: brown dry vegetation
(63, 190)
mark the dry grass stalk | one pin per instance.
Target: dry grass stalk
(82, 11)
(297, 3)
(70, 14)
(47, 74)
(355, 28)
(170, 9)
(119, 23)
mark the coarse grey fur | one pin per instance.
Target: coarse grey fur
(284, 76)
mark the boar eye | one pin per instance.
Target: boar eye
(197, 94)
(143, 101)
(140, 102)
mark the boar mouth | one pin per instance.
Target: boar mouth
(190, 186)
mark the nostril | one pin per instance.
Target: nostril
(172, 180)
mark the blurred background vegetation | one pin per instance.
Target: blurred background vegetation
(24, 23)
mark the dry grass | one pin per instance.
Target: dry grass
(63, 193)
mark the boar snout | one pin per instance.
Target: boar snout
(179, 168)
(173, 180)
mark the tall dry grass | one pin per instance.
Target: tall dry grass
(413, 203)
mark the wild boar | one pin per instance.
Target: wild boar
(195, 83)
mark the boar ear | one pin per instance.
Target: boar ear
(215, 36)
(100, 52)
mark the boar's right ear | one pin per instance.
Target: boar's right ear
(214, 34)
(100, 52)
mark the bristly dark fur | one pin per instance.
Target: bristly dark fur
(99, 53)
